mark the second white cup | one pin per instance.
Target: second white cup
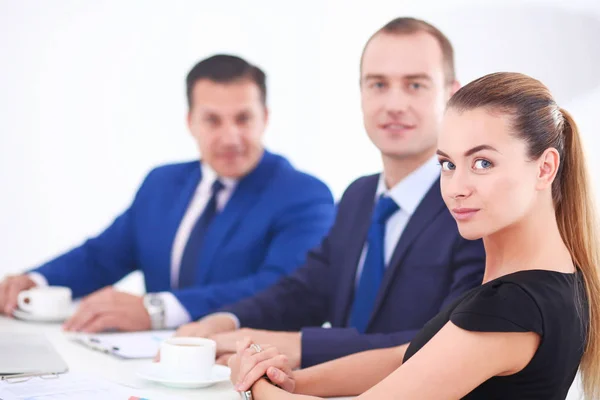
(190, 358)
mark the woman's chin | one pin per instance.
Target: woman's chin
(469, 233)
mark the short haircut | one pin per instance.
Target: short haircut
(225, 68)
(408, 26)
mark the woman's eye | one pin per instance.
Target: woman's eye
(447, 165)
(482, 164)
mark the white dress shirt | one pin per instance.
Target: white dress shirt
(408, 194)
(175, 313)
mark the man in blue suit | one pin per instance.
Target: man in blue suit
(393, 257)
(205, 234)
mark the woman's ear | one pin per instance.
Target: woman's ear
(548, 164)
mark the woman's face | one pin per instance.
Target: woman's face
(488, 183)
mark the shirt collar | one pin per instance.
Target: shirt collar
(209, 176)
(410, 191)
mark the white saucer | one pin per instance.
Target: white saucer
(155, 372)
(26, 316)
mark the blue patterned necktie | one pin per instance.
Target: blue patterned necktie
(191, 253)
(374, 265)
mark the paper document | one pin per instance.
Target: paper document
(127, 344)
(69, 386)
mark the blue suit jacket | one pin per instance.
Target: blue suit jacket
(431, 265)
(274, 216)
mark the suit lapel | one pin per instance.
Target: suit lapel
(431, 205)
(243, 198)
(355, 243)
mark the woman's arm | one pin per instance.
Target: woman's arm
(263, 390)
(335, 378)
(449, 366)
(454, 362)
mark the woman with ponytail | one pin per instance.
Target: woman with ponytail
(512, 173)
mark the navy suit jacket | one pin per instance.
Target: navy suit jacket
(274, 216)
(431, 265)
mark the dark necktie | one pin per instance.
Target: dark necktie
(192, 251)
(374, 265)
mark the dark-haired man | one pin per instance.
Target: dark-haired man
(205, 234)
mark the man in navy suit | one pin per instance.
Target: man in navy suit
(205, 234)
(393, 257)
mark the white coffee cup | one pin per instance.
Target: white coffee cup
(188, 357)
(45, 301)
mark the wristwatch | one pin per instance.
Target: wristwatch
(155, 307)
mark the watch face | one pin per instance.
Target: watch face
(155, 301)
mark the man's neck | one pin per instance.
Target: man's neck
(396, 169)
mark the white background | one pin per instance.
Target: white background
(92, 92)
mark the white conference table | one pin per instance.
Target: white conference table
(83, 360)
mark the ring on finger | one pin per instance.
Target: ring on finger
(256, 348)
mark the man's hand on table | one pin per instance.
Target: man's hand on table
(10, 288)
(108, 309)
(288, 343)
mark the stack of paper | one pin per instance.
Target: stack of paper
(70, 386)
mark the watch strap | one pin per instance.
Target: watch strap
(155, 307)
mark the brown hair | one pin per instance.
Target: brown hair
(542, 124)
(408, 26)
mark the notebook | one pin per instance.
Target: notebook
(28, 355)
